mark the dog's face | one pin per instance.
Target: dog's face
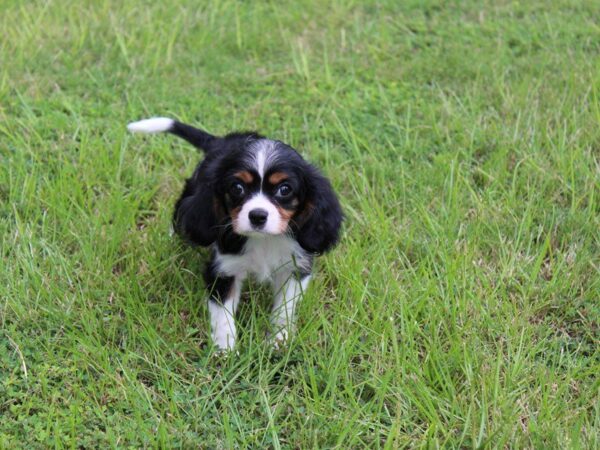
(254, 187)
(263, 188)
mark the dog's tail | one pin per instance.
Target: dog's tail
(196, 137)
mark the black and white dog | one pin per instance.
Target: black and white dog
(264, 211)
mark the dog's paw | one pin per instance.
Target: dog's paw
(224, 342)
(280, 339)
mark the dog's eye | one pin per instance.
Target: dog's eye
(237, 189)
(284, 190)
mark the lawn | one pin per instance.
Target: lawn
(462, 306)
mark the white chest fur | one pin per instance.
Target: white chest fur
(263, 256)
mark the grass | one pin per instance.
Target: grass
(461, 308)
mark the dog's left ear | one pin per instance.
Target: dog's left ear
(320, 221)
(195, 217)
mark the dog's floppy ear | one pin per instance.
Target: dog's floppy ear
(195, 217)
(320, 221)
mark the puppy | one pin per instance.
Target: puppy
(262, 209)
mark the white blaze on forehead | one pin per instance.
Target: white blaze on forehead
(264, 155)
(260, 162)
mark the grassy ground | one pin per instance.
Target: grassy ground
(461, 308)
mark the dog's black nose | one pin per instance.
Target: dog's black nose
(258, 217)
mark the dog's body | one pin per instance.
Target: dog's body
(262, 209)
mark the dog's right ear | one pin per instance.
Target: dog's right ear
(195, 218)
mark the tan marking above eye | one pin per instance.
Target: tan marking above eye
(277, 177)
(245, 176)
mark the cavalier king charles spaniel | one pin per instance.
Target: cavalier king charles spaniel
(262, 209)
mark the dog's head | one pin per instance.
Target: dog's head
(250, 186)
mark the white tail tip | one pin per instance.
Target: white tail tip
(153, 125)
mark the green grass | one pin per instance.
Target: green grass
(462, 307)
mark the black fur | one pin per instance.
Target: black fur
(194, 217)
(198, 138)
(320, 232)
(218, 286)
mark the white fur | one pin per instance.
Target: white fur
(222, 321)
(260, 162)
(273, 258)
(264, 153)
(263, 257)
(273, 224)
(288, 291)
(153, 125)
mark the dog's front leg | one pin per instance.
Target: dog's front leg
(222, 304)
(289, 289)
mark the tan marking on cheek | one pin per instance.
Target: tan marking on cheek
(245, 176)
(234, 214)
(285, 215)
(277, 177)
